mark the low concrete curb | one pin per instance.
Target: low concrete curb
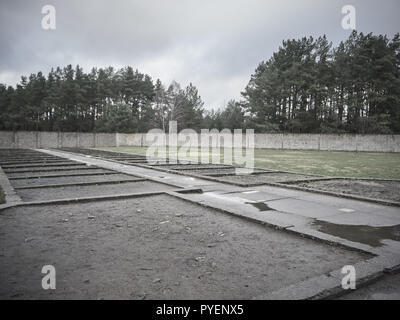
(84, 199)
(79, 184)
(11, 195)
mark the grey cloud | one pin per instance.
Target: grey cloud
(214, 44)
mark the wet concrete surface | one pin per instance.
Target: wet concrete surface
(155, 247)
(261, 206)
(372, 236)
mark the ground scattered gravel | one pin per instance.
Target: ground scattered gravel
(155, 247)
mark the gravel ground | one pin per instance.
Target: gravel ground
(90, 191)
(60, 180)
(264, 178)
(152, 248)
(388, 190)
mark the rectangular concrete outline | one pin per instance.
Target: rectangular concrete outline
(4, 161)
(78, 184)
(84, 199)
(51, 169)
(38, 165)
(348, 245)
(64, 175)
(321, 289)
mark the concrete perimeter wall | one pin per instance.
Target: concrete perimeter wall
(328, 142)
(42, 139)
(324, 142)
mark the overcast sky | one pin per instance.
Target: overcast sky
(214, 44)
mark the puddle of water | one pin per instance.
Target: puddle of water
(261, 206)
(360, 233)
(190, 191)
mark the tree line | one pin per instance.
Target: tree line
(103, 100)
(307, 86)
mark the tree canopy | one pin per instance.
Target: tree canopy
(103, 100)
(309, 86)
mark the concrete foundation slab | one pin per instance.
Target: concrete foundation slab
(86, 191)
